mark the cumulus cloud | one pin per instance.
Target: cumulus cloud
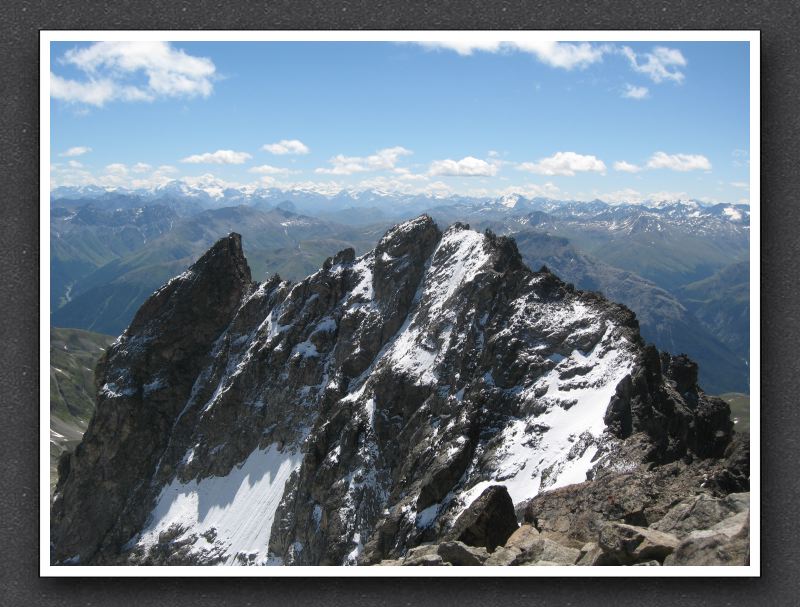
(668, 196)
(326, 188)
(79, 150)
(114, 175)
(533, 190)
(679, 162)
(117, 169)
(111, 68)
(565, 163)
(381, 160)
(93, 92)
(626, 195)
(381, 183)
(266, 169)
(286, 146)
(564, 55)
(408, 175)
(466, 167)
(218, 157)
(626, 167)
(635, 92)
(661, 64)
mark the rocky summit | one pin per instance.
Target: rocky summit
(410, 406)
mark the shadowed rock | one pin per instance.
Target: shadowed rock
(489, 521)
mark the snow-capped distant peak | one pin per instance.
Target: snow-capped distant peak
(509, 200)
(734, 214)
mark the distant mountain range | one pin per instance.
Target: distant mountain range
(682, 266)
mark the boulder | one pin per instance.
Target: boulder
(629, 544)
(701, 512)
(524, 538)
(727, 543)
(458, 553)
(426, 560)
(592, 555)
(489, 521)
(556, 553)
(503, 556)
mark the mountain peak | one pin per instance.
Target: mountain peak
(360, 412)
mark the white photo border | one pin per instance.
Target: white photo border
(753, 37)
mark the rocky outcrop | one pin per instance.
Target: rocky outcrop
(489, 521)
(144, 380)
(716, 534)
(646, 495)
(376, 409)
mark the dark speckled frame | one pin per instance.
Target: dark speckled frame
(21, 21)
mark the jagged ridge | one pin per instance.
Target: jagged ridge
(356, 414)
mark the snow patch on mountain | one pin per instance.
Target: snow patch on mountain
(458, 259)
(555, 448)
(231, 515)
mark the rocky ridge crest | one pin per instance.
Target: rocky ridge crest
(360, 413)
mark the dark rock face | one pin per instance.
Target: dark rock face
(372, 410)
(488, 522)
(145, 378)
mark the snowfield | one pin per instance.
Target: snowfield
(556, 448)
(235, 511)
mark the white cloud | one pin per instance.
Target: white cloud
(380, 160)
(533, 190)
(679, 162)
(141, 167)
(286, 146)
(659, 65)
(93, 92)
(626, 167)
(466, 167)
(79, 150)
(406, 174)
(626, 195)
(218, 157)
(115, 175)
(564, 163)
(326, 188)
(266, 169)
(744, 185)
(564, 55)
(111, 66)
(668, 196)
(466, 47)
(117, 169)
(635, 92)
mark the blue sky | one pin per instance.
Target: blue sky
(619, 121)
